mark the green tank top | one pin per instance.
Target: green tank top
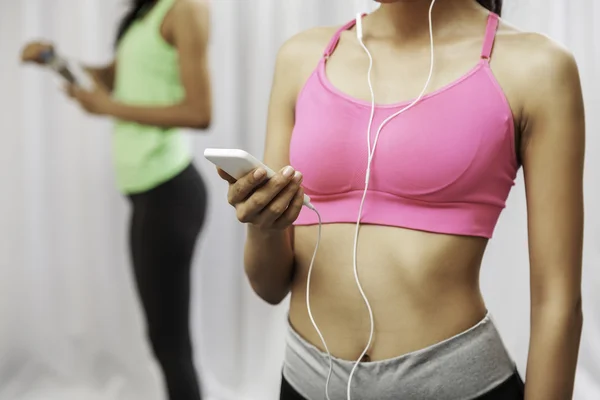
(147, 75)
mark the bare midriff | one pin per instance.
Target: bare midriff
(423, 288)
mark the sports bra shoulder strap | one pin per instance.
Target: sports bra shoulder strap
(336, 38)
(490, 35)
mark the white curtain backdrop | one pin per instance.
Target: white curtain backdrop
(70, 325)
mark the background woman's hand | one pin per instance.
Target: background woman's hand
(97, 101)
(273, 203)
(32, 52)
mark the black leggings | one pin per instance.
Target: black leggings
(511, 389)
(165, 225)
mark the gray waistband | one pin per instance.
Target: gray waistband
(460, 368)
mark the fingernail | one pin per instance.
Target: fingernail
(259, 173)
(297, 177)
(288, 172)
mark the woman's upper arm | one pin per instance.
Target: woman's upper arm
(190, 27)
(553, 159)
(112, 67)
(282, 102)
(104, 75)
(109, 69)
(296, 60)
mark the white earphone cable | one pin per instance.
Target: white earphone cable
(310, 315)
(367, 179)
(370, 88)
(371, 153)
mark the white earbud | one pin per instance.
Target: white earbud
(359, 30)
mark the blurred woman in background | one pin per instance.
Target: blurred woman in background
(158, 82)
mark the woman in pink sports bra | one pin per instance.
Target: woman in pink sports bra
(498, 99)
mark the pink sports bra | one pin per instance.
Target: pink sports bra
(446, 165)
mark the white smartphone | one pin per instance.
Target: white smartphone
(238, 163)
(71, 72)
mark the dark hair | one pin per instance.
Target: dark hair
(137, 9)
(494, 6)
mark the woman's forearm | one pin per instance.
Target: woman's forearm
(553, 351)
(269, 263)
(178, 115)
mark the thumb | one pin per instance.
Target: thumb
(225, 176)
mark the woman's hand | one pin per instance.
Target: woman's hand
(32, 52)
(97, 101)
(270, 204)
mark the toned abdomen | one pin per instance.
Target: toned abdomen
(422, 287)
